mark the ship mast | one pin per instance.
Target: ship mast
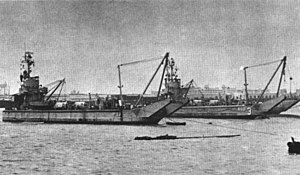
(172, 71)
(120, 85)
(121, 96)
(246, 84)
(26, 65)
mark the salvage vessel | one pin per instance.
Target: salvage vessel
(33, 103)
(249, 110)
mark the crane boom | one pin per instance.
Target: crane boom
(140, 61)
(263, 64)
(61, 81)
(162, 61)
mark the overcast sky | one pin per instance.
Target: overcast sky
(210, 40)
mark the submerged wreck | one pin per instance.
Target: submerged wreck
(171, 137)
(33, 102)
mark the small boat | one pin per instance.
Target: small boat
(294, 147)
(175, 123)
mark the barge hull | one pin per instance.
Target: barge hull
(76, 116)
(228, 111)
(149, 115)
(215, 112)
(214, 116)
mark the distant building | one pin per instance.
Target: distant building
(210, 93)
(4, 89)
(196, 93)
(232, 93)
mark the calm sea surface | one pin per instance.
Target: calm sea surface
(36, 148)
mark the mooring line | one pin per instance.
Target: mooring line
(260, 132)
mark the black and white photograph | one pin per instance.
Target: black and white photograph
(123, 87)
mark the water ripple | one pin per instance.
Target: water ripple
(101, 149)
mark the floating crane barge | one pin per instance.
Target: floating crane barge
(246, 111)
(33, 104)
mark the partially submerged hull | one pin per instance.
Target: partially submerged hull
(148, 115)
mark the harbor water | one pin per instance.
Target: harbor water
(37, 148)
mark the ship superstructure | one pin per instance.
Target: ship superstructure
(31, 94)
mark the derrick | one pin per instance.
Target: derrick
(282, 63)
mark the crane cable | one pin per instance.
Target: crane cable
(197, 87)
(141, 61)
(288, 70)
(52, 83)
(264, 64)
(62, 85)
